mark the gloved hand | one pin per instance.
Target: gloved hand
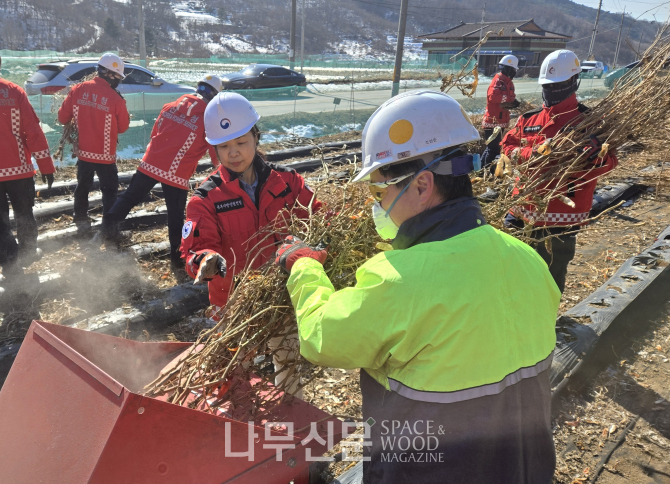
(293, 249)
(511, 105)
(593, 148)
(210, 264)
(48, 178)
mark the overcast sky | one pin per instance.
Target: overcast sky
(659, 8)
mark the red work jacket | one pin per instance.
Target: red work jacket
(20, 136)
(100, 114)
(177, 142)
(501, 90)
(220, 217)
(535, 127)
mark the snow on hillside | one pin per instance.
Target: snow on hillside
(193, 11)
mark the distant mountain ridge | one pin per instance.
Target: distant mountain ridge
(200, 28)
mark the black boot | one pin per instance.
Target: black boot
(29, 255)
(178, 268)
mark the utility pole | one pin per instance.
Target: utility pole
(291, 53)
(618, 40)
(481, 33)
(143, 44)
(302, 38)
(399, 47)
(595, 29)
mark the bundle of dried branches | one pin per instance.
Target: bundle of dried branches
(219, 369)
(467, 78)
(635, 106)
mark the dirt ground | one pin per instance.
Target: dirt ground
(632, 393)
(635, 385)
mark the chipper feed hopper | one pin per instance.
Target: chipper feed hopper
(71, 411)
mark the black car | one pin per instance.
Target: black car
(260, 76)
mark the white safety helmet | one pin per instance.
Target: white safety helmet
(228, 116)
(212, 80)
(112, 62)
(510, 60)
(559, 66)
(413, 124)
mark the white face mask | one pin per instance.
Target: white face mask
(386, 228)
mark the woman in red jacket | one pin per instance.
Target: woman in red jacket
(237, 216)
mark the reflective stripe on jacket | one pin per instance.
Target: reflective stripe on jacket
(177, 142)
(456, 326)
(221, 217)
(531, 130)
(100, 114)
(20, 136)
(501, 90)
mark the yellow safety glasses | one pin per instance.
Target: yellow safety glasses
(379, 189)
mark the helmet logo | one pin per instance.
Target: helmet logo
(552, 70)
(401, 131)
(209, 78)
(225, 123)
(115, 64)
(576, 62)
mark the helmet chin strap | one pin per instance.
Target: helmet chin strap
(436, 160)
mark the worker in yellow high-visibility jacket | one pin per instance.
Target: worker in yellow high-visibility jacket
(453, 329)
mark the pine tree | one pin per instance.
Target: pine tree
(111, 28)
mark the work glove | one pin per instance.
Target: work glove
(293, 249)
(48, 179)
(593, 148)
(511, 105)
(210, 264)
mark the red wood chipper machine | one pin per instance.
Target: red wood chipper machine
(71, 411)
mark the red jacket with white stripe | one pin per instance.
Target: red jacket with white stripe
(100, 114)
(20, 136)
(177, 142)
(220, 217)
(501, 90)
(530, 131)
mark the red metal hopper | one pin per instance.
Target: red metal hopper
(71, 412)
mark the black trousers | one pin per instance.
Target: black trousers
(140, 186)
(21, 193)
(109, 184)
(492, 149)
(563, 248)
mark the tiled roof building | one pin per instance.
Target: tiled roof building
(522, 38)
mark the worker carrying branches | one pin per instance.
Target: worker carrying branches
(559, 78)
(100, 114)
(238, 214)
(21, 137)
(436, 361)
(177, 144)
(500, 98)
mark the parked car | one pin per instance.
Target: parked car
(55, 76)
(592, 69)
(259, 76)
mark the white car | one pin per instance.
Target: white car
(55, 76)
(593, 69)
